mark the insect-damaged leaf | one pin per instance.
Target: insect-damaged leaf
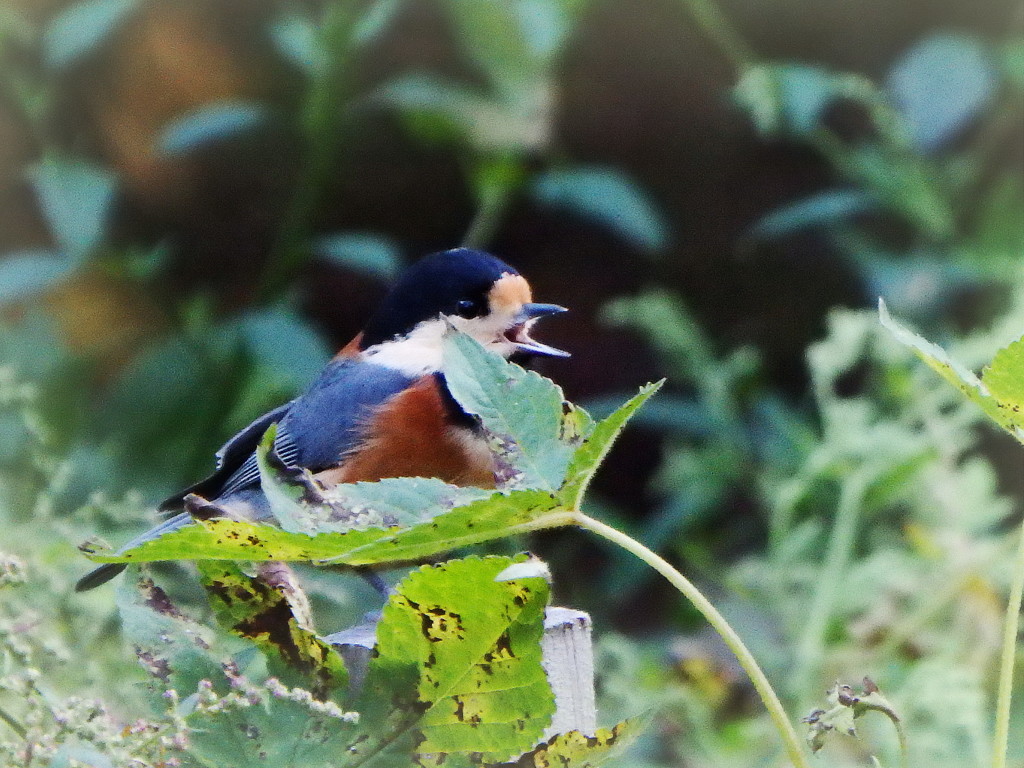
(273, 612)
(577, 750)
(498, 515)
(302, 505)
(233, 720)
(999, 392)
(469, 647)
(522, 411)
(172, 647)
(595, 447)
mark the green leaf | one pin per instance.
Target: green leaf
(595, 447)
(440, 111)
(1012, 60)
(786, 98)
(25, 274)
(75, 197)
(940, 85)
(81, 28)
(497, 516)
(375, 20)
(373, 255)
(285, 345)
(577, 750)
(474, 646)
(297, 39)
(213, 122)
(827, 208)
(1004, 378)
(493, 33)
(174, 648)
(273, 613)
(998, 392)
(522, 411)
(607, 197)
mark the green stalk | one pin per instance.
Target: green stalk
(494, 202)
(322, 113)
(716, 27)
(793, 744)
(15, 726)
(810, 650)
(1006, 661)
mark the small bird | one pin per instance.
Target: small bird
(381, 407)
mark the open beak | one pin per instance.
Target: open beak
(519, 333)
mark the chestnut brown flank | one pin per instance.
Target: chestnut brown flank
(412, 438)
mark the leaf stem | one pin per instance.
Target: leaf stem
(15, 726)
(321, 119)
(716, 27)
(829, 583)
(1006, 661)
(791, 741)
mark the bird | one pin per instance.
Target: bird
(381, 407)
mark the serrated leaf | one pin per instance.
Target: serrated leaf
(607, 197)
(171, 646)
(577, 750)
(75, 197)
(521, 409)
(370, 254)
(940, 85)
(25, 274)
(213, 122)
(81, 28)
(1004, 378)
(499, 515)
(301, 505)
(595, 447)
(1003, 406)
(475, 642)
(273, 613)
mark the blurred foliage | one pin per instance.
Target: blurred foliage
(863, 528)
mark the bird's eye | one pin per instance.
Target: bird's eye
(468, 308)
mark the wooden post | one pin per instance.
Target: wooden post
(568, 659)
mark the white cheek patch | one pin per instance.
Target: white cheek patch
(413, 355)
(421, 351)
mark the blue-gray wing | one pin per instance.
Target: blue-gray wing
(313, 431)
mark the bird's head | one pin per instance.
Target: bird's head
(471, 290)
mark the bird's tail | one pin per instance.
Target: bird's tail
(99, 576)
(107, 571)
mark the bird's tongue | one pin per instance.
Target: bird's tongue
(519, 335)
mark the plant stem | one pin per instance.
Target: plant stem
(1010, 630)
(791, 741)
(833, 569)
(487, 218)
(321, 122)
(495, 181)
(716, 27)
(15, 726)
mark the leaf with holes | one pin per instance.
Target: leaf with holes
(471, 646)
(273, 612)
(523, 412)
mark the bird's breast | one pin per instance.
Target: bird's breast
(412, 434)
